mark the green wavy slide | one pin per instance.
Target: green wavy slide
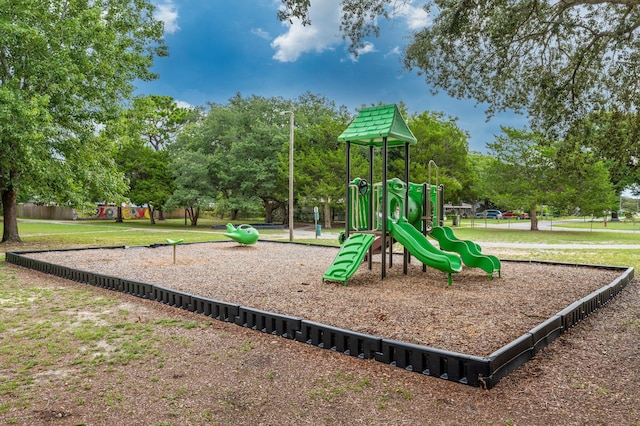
(469, 251)
(349, 258)
(420, 247)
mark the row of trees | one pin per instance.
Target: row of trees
(66, 69)
(234, 156)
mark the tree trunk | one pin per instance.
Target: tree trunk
(234, 214)
(119, 216)
(270, 206)
(268, 215)
(193, 215)
(10, 207)
(152, 212)
(534, 218)
(327, 216)
(161, 215)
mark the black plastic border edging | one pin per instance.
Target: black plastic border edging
(515, 354)
(471, 370)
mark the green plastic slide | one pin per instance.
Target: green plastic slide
(349, 258)
(420, 247)
(469, 251)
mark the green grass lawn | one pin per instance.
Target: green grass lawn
(555, 236)
(629, 225)
(85, 233)
(57, 234)
(625, 257)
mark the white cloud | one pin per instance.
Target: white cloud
(261, 33)
(416, 16)
(321, 35)
(183, 104)
(366, 48)
(393, 52)
(167, 13)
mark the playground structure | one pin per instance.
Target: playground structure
(396, 209)
(392, 209)
(243, 234)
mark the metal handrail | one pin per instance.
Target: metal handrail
(429, 169)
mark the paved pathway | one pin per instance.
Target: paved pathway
(569, 246)
(308, 232)
(550, 225)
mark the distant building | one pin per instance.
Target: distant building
(463, 210)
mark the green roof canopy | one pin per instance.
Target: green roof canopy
(373, 124)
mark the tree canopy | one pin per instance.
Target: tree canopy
(157, 119)
(141, 134)
(614, 137)
(528, 170)
(65, 67)
(553, 60)
(441, 140)
(320, 165)
(238, 144)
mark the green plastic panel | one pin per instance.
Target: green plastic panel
(349, 258)
(468, 250)
(372, 125)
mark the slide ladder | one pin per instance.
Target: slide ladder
(469, 251)
(349, 258)
(420, 247)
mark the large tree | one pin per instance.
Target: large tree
(195, 175)
(65, 66)
(440, 140)
(521, 173)
(528, 169)
(587, 186)
(149, 175)
(614, 137)
(553, 60)
(257, 139)
(241, 141)
(142, 132)
(320, 165)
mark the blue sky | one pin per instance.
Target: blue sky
(220, 48)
